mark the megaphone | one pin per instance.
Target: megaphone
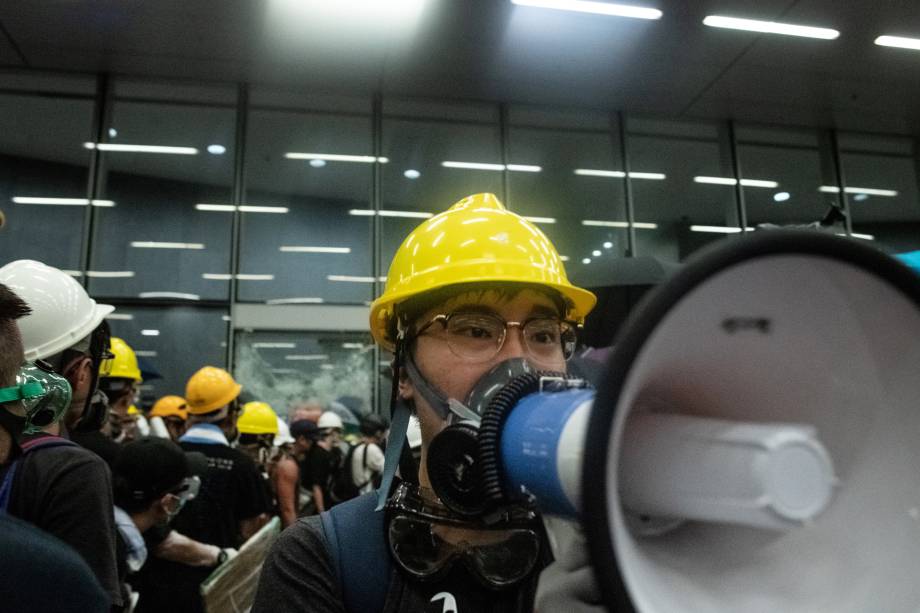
(753, 446)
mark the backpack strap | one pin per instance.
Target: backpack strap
(356, 543)
(42, 442)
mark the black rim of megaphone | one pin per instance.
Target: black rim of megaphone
(643, 322)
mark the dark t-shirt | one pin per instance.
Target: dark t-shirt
(67, 492)
(298, 575)
(232, 490)
(98, 443)
(40, 573)
(316, 469)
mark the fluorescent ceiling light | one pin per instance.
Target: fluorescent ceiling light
(641, 225)
(110, 274)
(227, 208)
(298, 300)
(327, 366)
(156, 245)
(176, 295)
(150, 332)
(245, 208)
(898, 41)
(353, 279)
(596, 253)
(145, 353)
(619, 174)
(285, 371)
(496, 167)
(274, 345)
(781, 196)
(225, 317)
(120, 316)
(62, 201)
(412, 174)
(769, 27)
(564, 258)
(334, 157)
(733, 181)
(217, 149)
(222, 276)
(141, 148)
(311, 249)
(869, 191)
(598, 8)
(383, 213)
(307, 357)
(585, 260)
(718, 229)
(353, 345)
(540, 219)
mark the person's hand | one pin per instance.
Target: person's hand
(568, 584)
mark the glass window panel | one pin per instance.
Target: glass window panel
(173, 341)
(416, 181)
(155, 241)
(677, 214)
(288, 368)
(577, 196)
(787, 176)
(881, 184)
(318, 246)
(43, 177)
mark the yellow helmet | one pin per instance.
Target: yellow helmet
(170, 406)
(257, 418)
(475, 240)
(210, 389)
(132, 410)
(123, 365)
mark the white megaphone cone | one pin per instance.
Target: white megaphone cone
(754, 446)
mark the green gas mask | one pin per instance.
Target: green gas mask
(43, 395)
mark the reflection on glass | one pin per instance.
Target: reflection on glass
(161, 338)
(314, 172)
(577, 199)
(157, 169)
(44, 178)
(693, 202)
(451, 157)
(287, 369)
(788, 178)
(881, 189)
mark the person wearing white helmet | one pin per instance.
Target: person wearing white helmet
(318, 468)
(59, 486)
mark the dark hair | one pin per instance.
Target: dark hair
(12, 307)
(147, 469)
(372, 424)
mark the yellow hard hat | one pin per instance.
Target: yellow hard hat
(123, 365)
(170, 406)
(132, 410)
(210, 389)
(476, 240)
(257, 418)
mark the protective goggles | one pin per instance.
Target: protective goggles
(44, 395)
(426, 540)
(179, 497)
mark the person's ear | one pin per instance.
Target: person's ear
(406, 389)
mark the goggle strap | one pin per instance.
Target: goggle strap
(32, 389)
(395, 443)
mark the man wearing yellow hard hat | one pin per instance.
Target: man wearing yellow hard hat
(119, 378)
(232, 503)
(168, 417)
(475, 296)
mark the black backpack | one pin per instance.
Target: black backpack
(343, 485)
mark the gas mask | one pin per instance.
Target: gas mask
(44, 396)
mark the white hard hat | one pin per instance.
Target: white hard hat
(330, 420)
(62, 311)
(284, 434)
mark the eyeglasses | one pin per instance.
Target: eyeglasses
(478, 337)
